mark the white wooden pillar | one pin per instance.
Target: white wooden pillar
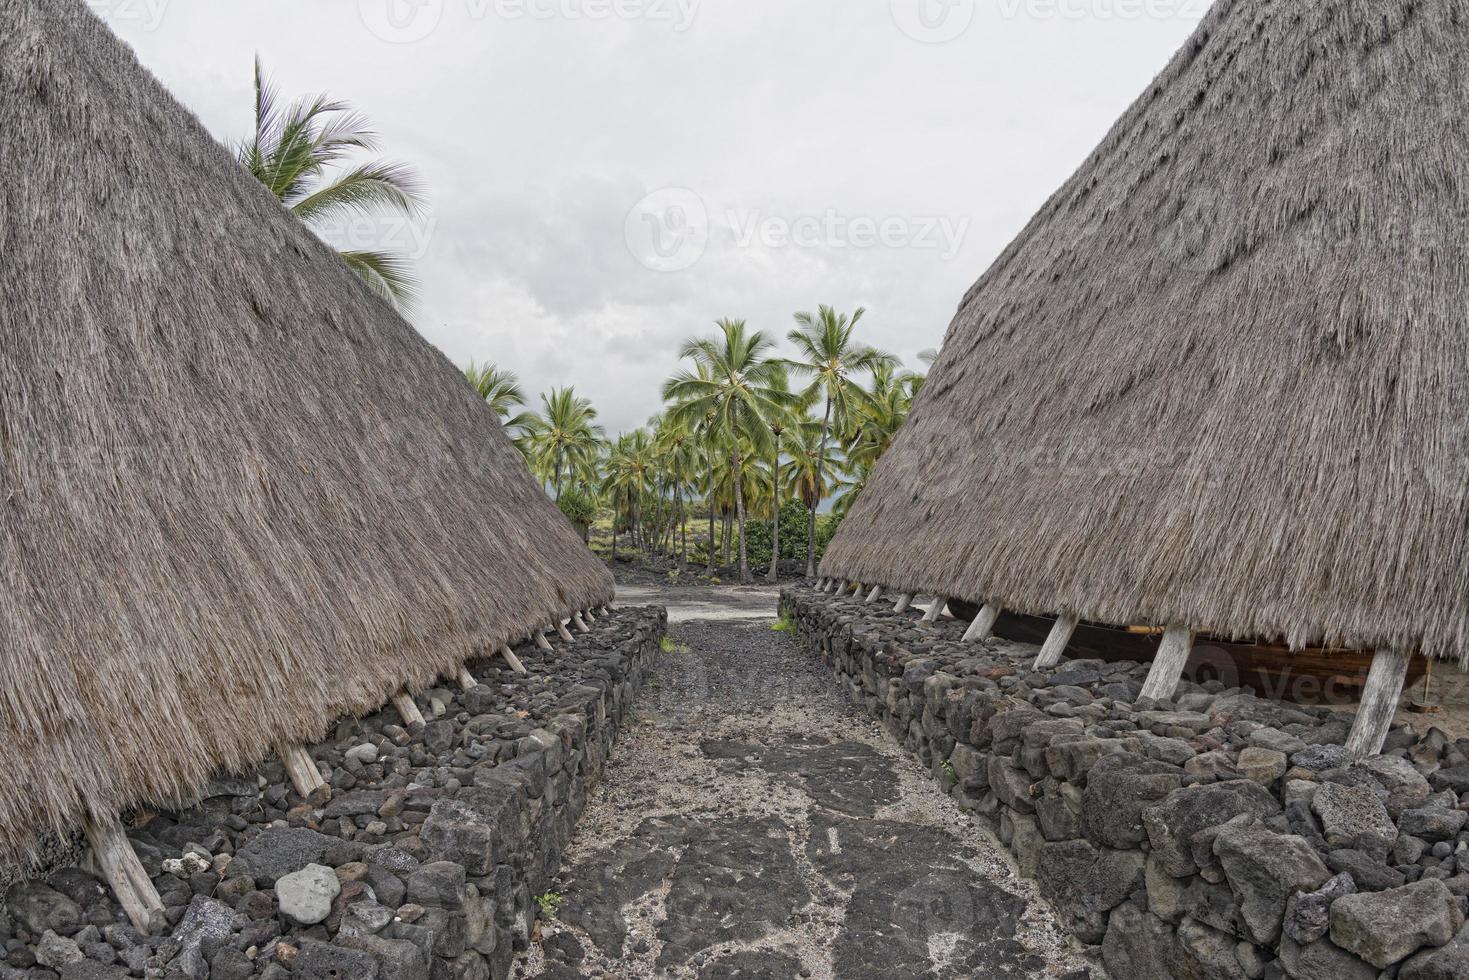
(124, 872)
(563, 632)
(820, 584)
(837, 585)
(407, 709)
(301, 768)
(984, 623)
(512, 659)
(1056, 642)
(1379, 703)
(465, 679)
(590, 615)
(874, 595)
(579, 623)
(904, 601)
(540, 640)
(1168, 664)
(940, 603)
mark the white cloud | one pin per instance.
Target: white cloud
(539, 134)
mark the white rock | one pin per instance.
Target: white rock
(306, 895)
(366, 753)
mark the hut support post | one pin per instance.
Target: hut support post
(305, 777)
(512, 659)
(579, 623)
(124, 872)
(874, 595)
(540, 640)
(1379, 703)
(407, 709)
(936, 610)
(1172, 657)
(1056, 642)
(563, 632)
(904, 601)
(984, 623)
(465, 678)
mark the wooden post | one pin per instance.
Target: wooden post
(540, 640)
(940, 603)
(589, 614)
(856, 588)
(1056, 642)
(512, 659)
(562, 631)
(579, 623)
(1168, 664)
(984, 623)
(836, 586)
(465, 678)
(874, 595)
(407, 709)
(1379, 703)
(904, 601)
(124, 872)
(820, 585)
(305, 777)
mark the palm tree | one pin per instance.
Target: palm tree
(779, 423)
(625, 479)
(738, 389)
(563, 438)
(291, 152)
(501, 389)
(677, 450)
(832, 360)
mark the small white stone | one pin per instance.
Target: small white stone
(306, 895)
(366, 753)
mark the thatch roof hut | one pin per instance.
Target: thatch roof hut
(1221, 379)
(239, 495)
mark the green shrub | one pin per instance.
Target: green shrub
(579, 508)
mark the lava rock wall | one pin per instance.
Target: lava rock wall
(1216, 835)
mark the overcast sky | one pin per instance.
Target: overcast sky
(608, 177)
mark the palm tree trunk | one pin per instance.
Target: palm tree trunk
(739, 488)
(682, 530)
(816, 493)
(775, 516)
(558, 478)
(728, 539)
(712, 548)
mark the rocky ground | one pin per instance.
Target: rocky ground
(753, 825)
(425, 863)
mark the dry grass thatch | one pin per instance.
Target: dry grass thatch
(1222, 378)
(239, 495)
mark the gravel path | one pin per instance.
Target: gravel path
(752, 825)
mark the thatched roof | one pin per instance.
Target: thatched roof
(1222, 378)
(239, 495)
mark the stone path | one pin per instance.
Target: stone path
(751, 825)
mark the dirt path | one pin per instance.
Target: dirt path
(752, 825)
